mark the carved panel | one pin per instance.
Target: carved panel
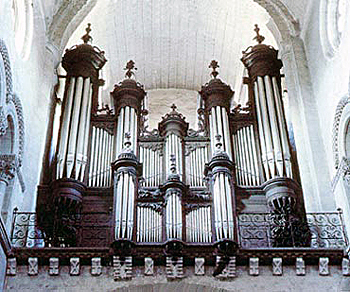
(300, 267)
(122, 268)
(33, 266)
(54, 266)
(74, 266)
(149, 267)
(96, 267)
(345, 267)
(277, 269)
(225, 267)
(254, 266)
(323, 268)
(11, 267)
(174, 267)
(199, 266)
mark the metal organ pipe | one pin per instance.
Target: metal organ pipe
(274, 125)
(261, 133)
(282, 128)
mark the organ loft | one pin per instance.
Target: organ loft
(171, 196)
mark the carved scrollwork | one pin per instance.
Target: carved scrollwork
(8, 167)
(3, 122)
(144, 132)
(148, 194)
(156, 206)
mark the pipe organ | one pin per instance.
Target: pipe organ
(172, 183)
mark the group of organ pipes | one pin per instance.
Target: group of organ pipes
(173, 183)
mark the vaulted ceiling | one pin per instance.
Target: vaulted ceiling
(173, 41)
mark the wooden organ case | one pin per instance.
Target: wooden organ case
(115, 183)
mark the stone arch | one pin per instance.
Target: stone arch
(11, 114)
(343, 107)
(282, 16)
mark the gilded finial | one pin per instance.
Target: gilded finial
(86, 37)
(129, 67)
(259, 38)
(214, 64)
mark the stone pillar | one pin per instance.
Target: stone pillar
(219, 170)
(128, 96)
(126, 169)
(217, 97)
(7, 173)
(283, 194)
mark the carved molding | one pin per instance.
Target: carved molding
(336, 124)
(8, 73)
(330, 33)
(3, 122)
(8, 166)
(65, 21)
(343, 171)
(287, 24)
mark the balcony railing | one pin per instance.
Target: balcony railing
(325, 230)
(84, 229)
(255, 230)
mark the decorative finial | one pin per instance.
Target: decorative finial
(214, 64)
(218, 143)
(173, 107)
(173, 163)
(127, 142)
(86, 37)
(259, 38)
(129, 67)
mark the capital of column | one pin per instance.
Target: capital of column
(8, 166)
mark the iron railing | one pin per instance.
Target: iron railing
(325, 230)
(84, 229)
(255, 230)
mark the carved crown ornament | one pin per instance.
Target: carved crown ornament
(84, 60)
(261, 59)
(128, 92)
(173, 122)
(216, 92)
